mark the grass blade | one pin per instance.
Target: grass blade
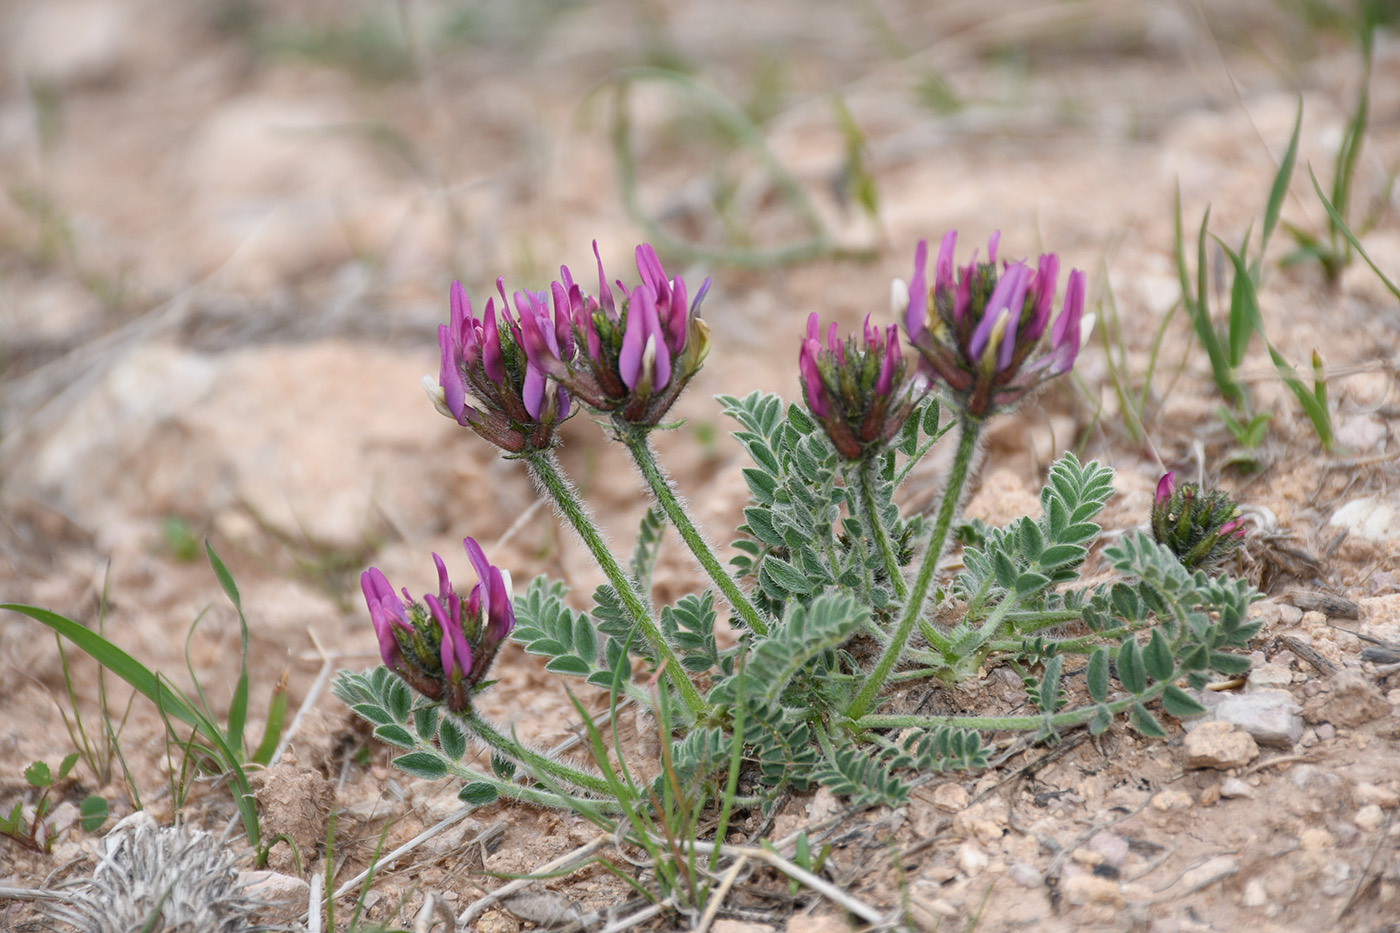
(1351, 237)
(238, 706)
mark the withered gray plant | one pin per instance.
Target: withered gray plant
(160, 879)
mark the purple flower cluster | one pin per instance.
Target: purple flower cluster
(443, 646)
(1201, 528)
(857, 391)
(634, 355)
(488, 382)
(977, 330)
(514, 384)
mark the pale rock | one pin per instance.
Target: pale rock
(1325, 732)
(1271, 717)
(1172, 799)
(1347, 834)
(1369, 818)
(951, 796)
(1087, 889)
(971, 858)
(741, 926)
(1369, 517)
(1352, 701)
(1218, 745)
(1222, 866)
(286, 895)
(451, 840)
(1087, 857)
(1316, 839)
(1265, 612)
(1113, 848)
(1384, 797)
(824, 804)
(1234, 787)
(1269, 677)
(820, 923)
(1254, 894)
(74, 42)
(1289, 615)
(1026, 875)
(1209, 796)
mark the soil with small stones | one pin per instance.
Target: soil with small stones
(226, 236)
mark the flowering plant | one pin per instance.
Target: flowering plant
(832, 588)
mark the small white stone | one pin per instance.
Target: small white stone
(1254, 894)
(1369, 818)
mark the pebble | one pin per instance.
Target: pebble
(971, 858)
(1113, 848)
(1289, 615)
(1088, 889)
(1271, 717)
(1316, 839)
(1217, 745)
(286, 895)
(1234, 787)
(1369, 818)
(951, 796)
(1026, 875)
(1384, 797)
(1222, 866)
(1254, 894)
(1353, 701)
(1172, 800)
(822, 923)
(1269, 677)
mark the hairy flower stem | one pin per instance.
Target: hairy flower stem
(533, 760)
(914, 607)
(635, 438)
(869, 478)
(545, 468)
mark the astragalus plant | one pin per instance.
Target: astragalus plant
(834, 592)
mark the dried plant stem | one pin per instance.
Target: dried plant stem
(544, 467)
(636, 440)
(477, 907)
(914, 606)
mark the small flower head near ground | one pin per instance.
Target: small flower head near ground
(444, 645)
(978, 330)
(859, 391)
(488, 383)
(1200, 528)
(635, 356)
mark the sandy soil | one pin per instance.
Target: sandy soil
(226, 236)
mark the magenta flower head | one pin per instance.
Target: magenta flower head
(635, 355)
(486, 380)
(444, 645)
(1200, 528)
(979, 331)
(859, 391)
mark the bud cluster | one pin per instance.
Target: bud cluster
(1200, 528)
(859, 392)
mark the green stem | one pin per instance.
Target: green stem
(635, 438)
(1010, 723)
(867, 481)
(545, 468)
(533, 760)
(913, 609)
